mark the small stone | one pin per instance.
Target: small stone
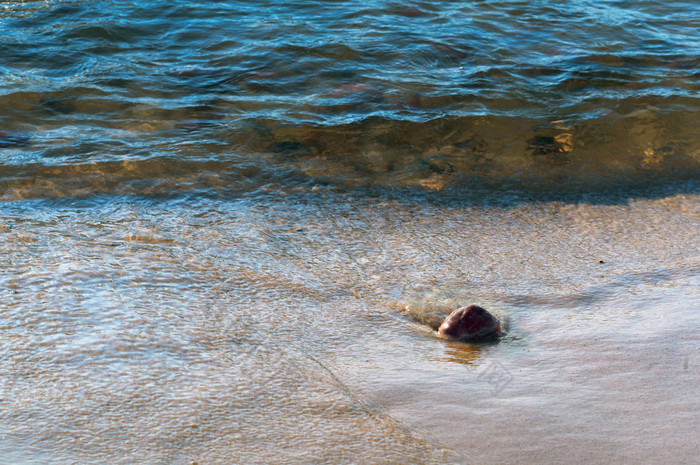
(14, 139)
(469, 322)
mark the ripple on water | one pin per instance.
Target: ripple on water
(221, 221)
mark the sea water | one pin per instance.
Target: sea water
(223, 226)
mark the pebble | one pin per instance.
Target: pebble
(469, 322)
(14, 139)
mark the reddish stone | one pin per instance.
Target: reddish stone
(14, 139)
(469, 322)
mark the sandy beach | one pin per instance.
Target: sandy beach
(293, 313)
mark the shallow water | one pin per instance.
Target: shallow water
(163, 97)
(220, 331)
(223, 222)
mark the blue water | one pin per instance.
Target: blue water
(418, 94)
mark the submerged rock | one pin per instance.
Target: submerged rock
(469, 322)
(14, 139)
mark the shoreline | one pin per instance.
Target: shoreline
(205, 320)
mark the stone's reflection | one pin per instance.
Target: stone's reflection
(462, 353)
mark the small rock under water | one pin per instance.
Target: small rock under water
(14, 139)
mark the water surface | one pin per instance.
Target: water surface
(220, 221)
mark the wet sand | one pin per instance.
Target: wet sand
(601, 362)
(236, 330)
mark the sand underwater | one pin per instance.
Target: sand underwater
(223, 331)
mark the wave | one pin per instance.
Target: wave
(433, 97)
(211, 155)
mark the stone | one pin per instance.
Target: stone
(14, 139)
(470, 322)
